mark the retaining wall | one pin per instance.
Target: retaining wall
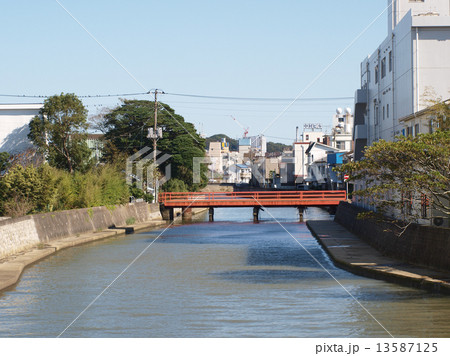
(421, 245)
(21, 233)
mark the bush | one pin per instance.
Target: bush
(139, 193)
(46, 189)
(174, 185)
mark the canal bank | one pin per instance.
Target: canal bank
(27, 240)
(351, 253)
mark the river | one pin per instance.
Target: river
(229, 278)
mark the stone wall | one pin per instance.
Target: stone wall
(21, 233)
(421, 245)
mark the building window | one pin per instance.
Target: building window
(424, 203)
(416, 129)
(390, 61)
(387, 111)
(407, 203)
(376, 74)
(375, 109)
(384, 113)
(383, 67)
(318, 139)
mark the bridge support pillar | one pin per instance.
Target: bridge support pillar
(256, 210)
(301, 210)
(211, 214)
(332, 210)
(166, 213)
(187, 214)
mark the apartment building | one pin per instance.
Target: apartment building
(414, 59)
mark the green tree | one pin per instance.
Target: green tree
(126, 129)
(438, 110)
(27, 185)
(4, 161)
(234, 144)
(174, 185)
(402, 175)
(275, 147)
(59, 132)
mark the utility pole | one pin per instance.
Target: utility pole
(155, 137)
(155, 133)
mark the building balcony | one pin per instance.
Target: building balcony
(361, 96)
(360, 132)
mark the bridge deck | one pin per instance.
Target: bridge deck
(253, 199)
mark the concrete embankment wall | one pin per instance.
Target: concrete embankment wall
(21, 233)
(420, 245)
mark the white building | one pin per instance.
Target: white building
(312, 136)
(311, 133)
(14, 120)
(238, 174)
(342, 132)
(300, 161)
(319, 172)
(245, 145)
(259, 145)
(413, 59)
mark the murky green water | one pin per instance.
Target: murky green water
(230, 278)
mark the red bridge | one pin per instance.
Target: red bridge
(256, 199)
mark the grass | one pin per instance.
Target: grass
(130, 221)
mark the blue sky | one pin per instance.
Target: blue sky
(215, 48)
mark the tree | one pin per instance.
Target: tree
(28, 186)
(405, 175)
(4, 161)
(438, 110)
(59, 132)
(126, 129)
(234, 144)
(278, 148)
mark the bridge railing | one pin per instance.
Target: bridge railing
(184, 198)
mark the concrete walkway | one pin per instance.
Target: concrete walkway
(354, 255)
(11, 267)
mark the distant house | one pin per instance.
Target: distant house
(320, 173)
(95, 143)
(14, 120)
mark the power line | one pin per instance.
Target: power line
(79, 96)
(258, 99)
(185, 95)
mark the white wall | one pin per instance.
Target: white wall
(417, 66)
(14, 120)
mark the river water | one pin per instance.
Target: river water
(230, 278)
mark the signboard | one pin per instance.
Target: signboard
(346, 177)
(312, 127)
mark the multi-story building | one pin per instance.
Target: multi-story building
(414, 59)
(342, 131)
(259, 145)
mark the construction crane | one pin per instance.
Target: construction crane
(242, 126)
